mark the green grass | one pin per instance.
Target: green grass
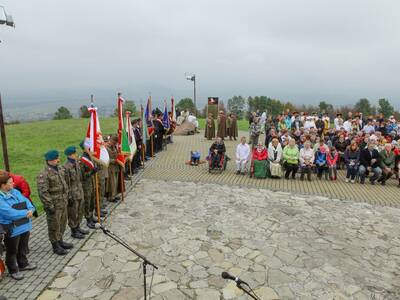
(242, 124)
(27, 143)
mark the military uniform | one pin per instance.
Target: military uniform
(113, 171)
(75, 196)
(53, 192)
(88, 184)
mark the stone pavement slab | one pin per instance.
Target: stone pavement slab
(49, 264)
(286, 246)
(172, 166)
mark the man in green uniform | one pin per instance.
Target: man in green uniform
(113, 169)
(88, 169)
(73, 177)
(53, 192)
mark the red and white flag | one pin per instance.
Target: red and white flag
(94, 139)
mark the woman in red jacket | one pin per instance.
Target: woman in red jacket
(260, 153)
(259, 161)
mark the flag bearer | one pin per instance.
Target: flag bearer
(73, 177)
(113, 169)
(88, 170)
(53, 192)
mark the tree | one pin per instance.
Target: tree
(385, 107)
(129, 105)
(364, 106)
(221, 106)
(325, 107)
(186, 104)
(83, 112)
(236, 105)
(62, 113)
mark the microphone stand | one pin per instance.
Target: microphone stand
(145, 260)
(239, 285)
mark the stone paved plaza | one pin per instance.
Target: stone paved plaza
(286, 246)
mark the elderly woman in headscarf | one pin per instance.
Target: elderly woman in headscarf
(274, 158)
(259, 161)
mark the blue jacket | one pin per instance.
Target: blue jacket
(9, 214)
(320, 158)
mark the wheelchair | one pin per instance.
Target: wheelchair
(220, 166)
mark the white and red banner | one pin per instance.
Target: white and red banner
(94, 139)
(131, 136)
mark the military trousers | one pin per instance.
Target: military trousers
(89, 195)
(112, 184)
(56, 223)
(75, 212)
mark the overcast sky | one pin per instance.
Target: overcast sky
(300, 50)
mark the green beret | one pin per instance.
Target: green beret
(70, 150)
(51, 155)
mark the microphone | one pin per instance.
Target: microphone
(226, 275)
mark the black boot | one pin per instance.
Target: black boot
(76, 234)
(90, 223)
(65, 245)
(83, 231)
(57, 249)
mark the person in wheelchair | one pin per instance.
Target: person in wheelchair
(217, 153)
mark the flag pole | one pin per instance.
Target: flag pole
(122, 184)
(152, 145)
(97, 198)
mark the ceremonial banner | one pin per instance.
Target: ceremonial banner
(165, 120)
(173, 110)
(123, 144)
(131, 136)
(94, 139)
(212, 107)
(148, 118)
(145, 134)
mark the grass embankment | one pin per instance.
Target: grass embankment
(28, 142)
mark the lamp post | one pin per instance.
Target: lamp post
(7, 20)
(193, 78)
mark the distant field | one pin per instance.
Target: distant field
(27, 143)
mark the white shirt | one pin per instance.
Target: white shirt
(347, 125)
(242, 152)
(369, 129)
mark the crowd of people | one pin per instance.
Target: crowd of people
(68, 192)
(365, 147)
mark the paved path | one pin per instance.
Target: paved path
(286, 246)
(49, 264)
(173, 161)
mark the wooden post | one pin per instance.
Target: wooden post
(143, 153)
(152, 145)
(122, 184)
(97, 198)
(4, 139)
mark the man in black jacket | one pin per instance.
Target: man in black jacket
(217, 149)
(369, 162)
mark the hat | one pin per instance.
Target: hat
(51, 155)
(70, 150)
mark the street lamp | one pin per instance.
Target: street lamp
(192, 77)
(7, 20)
